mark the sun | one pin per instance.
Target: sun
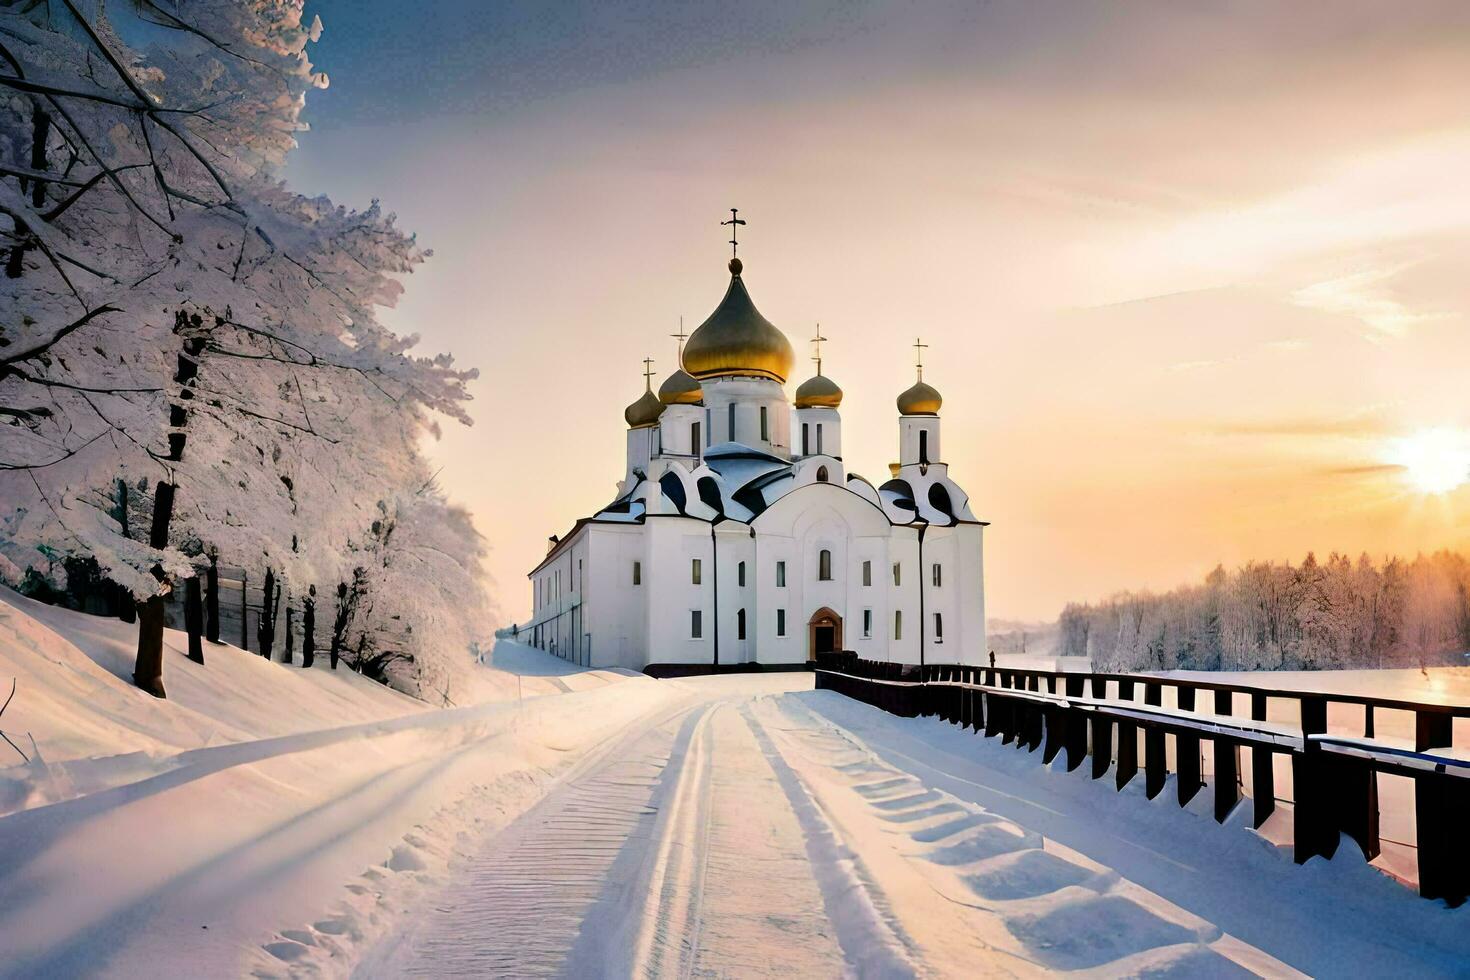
(1434, 461)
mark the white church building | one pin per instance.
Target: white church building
(739, 538)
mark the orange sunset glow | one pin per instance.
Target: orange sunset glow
(1193, 281)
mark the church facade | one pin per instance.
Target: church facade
(739, 537)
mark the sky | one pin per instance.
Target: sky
(1192, 275)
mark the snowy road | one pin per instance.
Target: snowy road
(756, 827)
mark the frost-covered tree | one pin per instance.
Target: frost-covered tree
(421, 599)
(1264, 616)
(175, 318)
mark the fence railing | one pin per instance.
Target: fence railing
(1125, 722)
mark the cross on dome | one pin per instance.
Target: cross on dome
(817, 346)
(919, 346)
(735, 222)
(648, 373)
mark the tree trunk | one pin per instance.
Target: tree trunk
(290, 656)
(194, 619)
(245, 610)
(265, 635)
(211, 599)
(127, 609)
(308, 629)
(339, 625)
(148, 670)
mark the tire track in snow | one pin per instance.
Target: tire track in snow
(519, 908)
(872, 940)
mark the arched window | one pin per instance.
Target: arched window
(740, 625)
(821, 474)
(740, 578)
(824, 565)
(923, 446)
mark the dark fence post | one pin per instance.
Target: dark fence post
(1314, 830)
(1155, 757)
(1441, 811)
(1186, 753)
(1102, 732)
(1056, 727)
(1075, 734)
(1227, 762)
(1263, 770)
(1127, 740)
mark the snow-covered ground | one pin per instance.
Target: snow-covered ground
(181, 837)
(756, 827)
(278, 822)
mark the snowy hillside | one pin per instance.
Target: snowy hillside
(180, 836)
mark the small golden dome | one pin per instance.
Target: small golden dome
(737, 340)
(680, 388)
(921, 399)
(644, 412)
(818, 392)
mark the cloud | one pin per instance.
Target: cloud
(1367, 296)
(1361, 425)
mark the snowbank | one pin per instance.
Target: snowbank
(183, 836)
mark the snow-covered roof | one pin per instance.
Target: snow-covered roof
(737, 482)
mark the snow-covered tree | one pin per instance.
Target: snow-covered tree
(174, 317)
(422, 602)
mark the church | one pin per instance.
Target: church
(740, 540)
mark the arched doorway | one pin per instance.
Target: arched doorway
(824, 633)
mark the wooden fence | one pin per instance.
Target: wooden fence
(1162, 724)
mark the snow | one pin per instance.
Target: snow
(274, 821)
(183, 836)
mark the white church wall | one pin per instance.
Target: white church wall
(733, 545)
(909, 429)
(903, 550)
(749, 396)
(616, 608)
(673, 544)
(796, 529)
(817, 431)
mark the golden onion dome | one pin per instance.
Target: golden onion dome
(644, 412)
(680, 388)
(818, 392)
(921, 399)
(737, 340)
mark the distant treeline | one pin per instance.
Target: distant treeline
(1266, 616)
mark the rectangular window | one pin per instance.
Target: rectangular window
(709, 425)
(867, 622)
(896, 576)
(867, 573)
(819, 438)
(765, 431)
(638, 573)
(938, 576)
(938, 628)
(780, 575)
(694, 444)
(732, 421)
(780, 622)
(898, 624)
(923, 446)
(806, 449)
(696, 624)
(696, 571)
